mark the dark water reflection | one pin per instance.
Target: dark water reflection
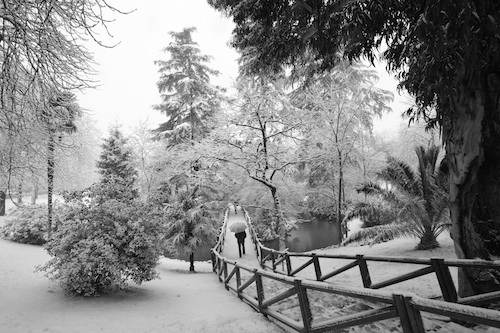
(310, 236)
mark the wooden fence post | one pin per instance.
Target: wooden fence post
(238, 281)
(365, 273)
(288, 264)
(260, 291)
(305, 308)
(317, 268)
(445, 281)
(273, 261)
(411, 320)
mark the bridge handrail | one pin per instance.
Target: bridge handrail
(438, 266)
(403, 305)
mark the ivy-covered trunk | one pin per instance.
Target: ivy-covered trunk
(472, 138)
(50, 182)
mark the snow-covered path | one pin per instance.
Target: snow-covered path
(179, 302)
(231, 246)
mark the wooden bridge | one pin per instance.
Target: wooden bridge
(273, 283)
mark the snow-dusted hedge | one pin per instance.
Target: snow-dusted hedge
(99, 247)
(28, 225)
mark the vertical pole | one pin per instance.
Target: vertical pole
(273, 260)
(260, 291)
(410, 318)
(317, 268)
(238, 281)
(365, 273)
(445, 281)
(288, 265)
(305, 308)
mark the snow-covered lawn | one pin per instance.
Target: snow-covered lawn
(178, 302)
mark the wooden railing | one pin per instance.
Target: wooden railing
(291, 264)
(264, 290)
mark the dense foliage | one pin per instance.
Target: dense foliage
(188, 98)
(99, 247)
(418, 198)
(445, 53)
(193, 220)
(28, 224)
(107, 236)
(116, 169)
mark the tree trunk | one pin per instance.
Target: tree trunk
(20, 192)
(34, 194)
(191, 262)
(50, 183)
(339, 206)
(428, 240)
(280, 218)
(472, 137)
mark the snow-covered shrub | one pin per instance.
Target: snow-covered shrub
(28, 225)
(99, 247)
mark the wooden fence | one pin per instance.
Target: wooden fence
(250, 283)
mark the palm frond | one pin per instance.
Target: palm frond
(378, 234)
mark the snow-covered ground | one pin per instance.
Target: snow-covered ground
(178, 302)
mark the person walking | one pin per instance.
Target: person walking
(240, 236)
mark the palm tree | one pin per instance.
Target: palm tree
(192, 220)
(58, 117)
(419, 199)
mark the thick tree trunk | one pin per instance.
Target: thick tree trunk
(472, 136)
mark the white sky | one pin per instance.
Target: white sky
(127, 73)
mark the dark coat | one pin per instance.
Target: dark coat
(240, 236)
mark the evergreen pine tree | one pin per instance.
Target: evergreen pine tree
(188, 98)
(115, 166)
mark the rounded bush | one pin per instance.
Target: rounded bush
(98, 248)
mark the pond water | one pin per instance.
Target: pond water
(312, 235)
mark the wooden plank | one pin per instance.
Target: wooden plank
(485, 298)
(404, 277)
(288, 265)
(279, 297)
(338, 271)
(410, 318)
(363, 269)
(458, 311)
(445, 281)
(283, 319)
(305, 309)
(356, 292)
(228, 278)
(246, 284)
(301, 267)
(260, 291)
(360, 318)
(317, 268)
(238, 281)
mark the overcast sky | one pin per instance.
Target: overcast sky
(127, 73)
